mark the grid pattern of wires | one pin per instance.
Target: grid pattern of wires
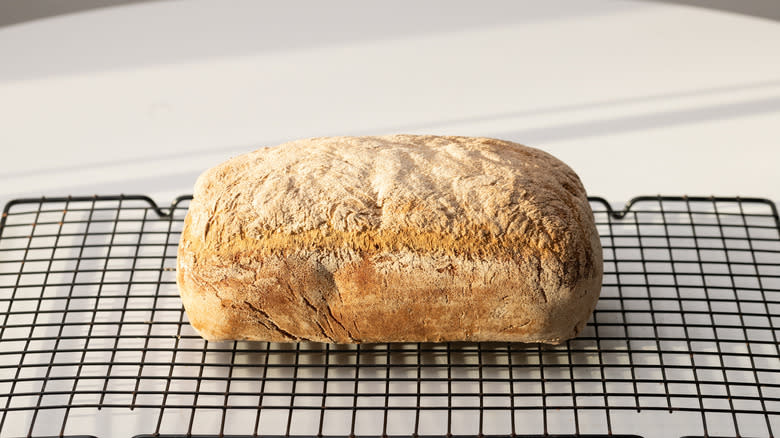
(685, 336)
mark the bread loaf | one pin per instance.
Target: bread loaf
(400, 238)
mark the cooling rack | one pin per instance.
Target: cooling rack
(684, 341)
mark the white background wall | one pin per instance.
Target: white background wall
(638, 97)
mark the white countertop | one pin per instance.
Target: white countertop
(639, 98)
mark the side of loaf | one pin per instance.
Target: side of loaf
(398, 238)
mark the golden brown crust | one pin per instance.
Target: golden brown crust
(390, 239)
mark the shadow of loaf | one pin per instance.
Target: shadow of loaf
(390, 239)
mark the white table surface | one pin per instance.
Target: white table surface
(638, 97)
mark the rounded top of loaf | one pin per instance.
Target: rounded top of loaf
(478, 197)
(391, 183)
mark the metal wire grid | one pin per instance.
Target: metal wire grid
(684, 339)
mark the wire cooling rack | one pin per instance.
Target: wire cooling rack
(684, 341)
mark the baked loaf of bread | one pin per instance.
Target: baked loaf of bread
(400, 238)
